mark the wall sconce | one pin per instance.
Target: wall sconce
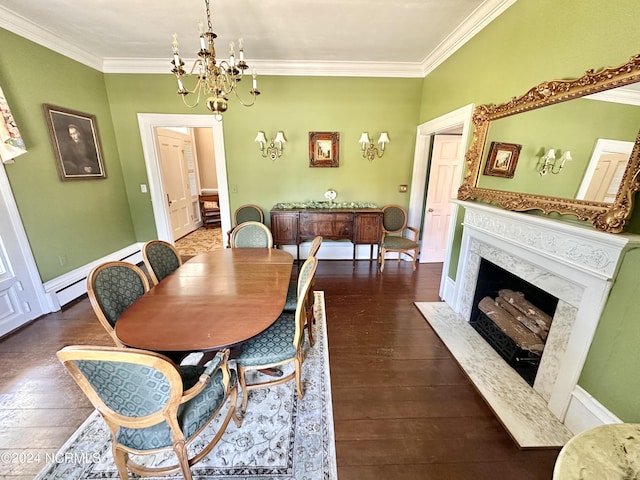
(549, 163)
(274, 147)
(369, 150)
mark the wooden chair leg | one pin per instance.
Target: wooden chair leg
(243, 386)
(298, 367)
(180, 450)
(120, 458)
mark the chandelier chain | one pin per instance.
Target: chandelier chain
(206, 2)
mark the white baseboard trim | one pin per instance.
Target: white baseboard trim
(66, 288)
(448, 291)
(334, 250)
(585, 412)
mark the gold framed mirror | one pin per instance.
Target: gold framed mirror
(557, 187)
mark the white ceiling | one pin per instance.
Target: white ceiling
(389, 38)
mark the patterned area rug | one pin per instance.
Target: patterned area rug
(200, 241)
(281, 437)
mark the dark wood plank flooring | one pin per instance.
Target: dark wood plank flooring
(402, 407)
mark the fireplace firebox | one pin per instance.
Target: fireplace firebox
(520, 344)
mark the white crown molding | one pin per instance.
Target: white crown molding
(273, 67)
(480, 18)
(29, 30)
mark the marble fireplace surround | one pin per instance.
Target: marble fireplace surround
(573, 262)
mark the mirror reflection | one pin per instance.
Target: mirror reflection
(582, 141)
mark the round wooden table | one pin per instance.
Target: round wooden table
(212, 301)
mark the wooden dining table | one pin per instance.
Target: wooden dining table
(212, 301)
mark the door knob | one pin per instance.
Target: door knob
(430, 210)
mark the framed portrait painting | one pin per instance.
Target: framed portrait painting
(75, 143)
(323, 149)
(502, 159)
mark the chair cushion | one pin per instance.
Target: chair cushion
(292, 298)
(163, 260)
(192, 415)
(275, 344)
(398, 243)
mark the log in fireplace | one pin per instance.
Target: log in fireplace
(513, 316)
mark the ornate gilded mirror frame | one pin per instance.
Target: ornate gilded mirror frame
(604, 216)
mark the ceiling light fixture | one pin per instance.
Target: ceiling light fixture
(215, 80)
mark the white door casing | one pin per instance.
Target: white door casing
(22, 295)
(459, 117)
(148, 122)
(444, 180)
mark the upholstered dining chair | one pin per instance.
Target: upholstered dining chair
(245, 213)
(112, 287)
(251, 235)
(279, 344)
(152, 405)
(293, 293)
(161, 258)
(394, 231)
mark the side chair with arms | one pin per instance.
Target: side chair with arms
(150, 405)
(394, 239)
(293, 293)
(112, 287)
(251, 235)
(161, 258)
(245, 213)
(279, 344)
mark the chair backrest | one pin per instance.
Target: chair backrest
(305, 278)
(149, 386)
(315, 246)
(394, 218)
(251, 235)
(248, 213)
(161, 258)
(112, 287)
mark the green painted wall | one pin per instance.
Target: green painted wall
(297, 106)
(534, 41)
(79, 220)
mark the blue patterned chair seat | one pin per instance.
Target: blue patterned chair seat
(192, 415)
(275, 344)
(292, 297)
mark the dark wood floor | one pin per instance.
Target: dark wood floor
(403, 409)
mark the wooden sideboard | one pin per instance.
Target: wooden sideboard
(359, 226)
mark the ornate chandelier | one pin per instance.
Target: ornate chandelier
(215, 80)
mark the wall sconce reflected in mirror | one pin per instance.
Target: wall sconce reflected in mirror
(369, 150)
(549, 162)
(274, 146)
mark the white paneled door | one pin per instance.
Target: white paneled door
(443, 184)
(19, 302)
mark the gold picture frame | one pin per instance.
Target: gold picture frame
(502, 159)
(76, 143)
(324, 149)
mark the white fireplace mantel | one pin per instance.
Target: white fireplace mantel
(572, 261)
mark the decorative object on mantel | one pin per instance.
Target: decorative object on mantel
(215, 80)
(502, 159)
(609, 217)
(11, 143)
(369, 150)
(324, 148)
(549, 163)
(274, 147)
(313, 204)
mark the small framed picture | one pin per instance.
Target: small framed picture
(323, 149)
(75, 143)
(502, 159)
